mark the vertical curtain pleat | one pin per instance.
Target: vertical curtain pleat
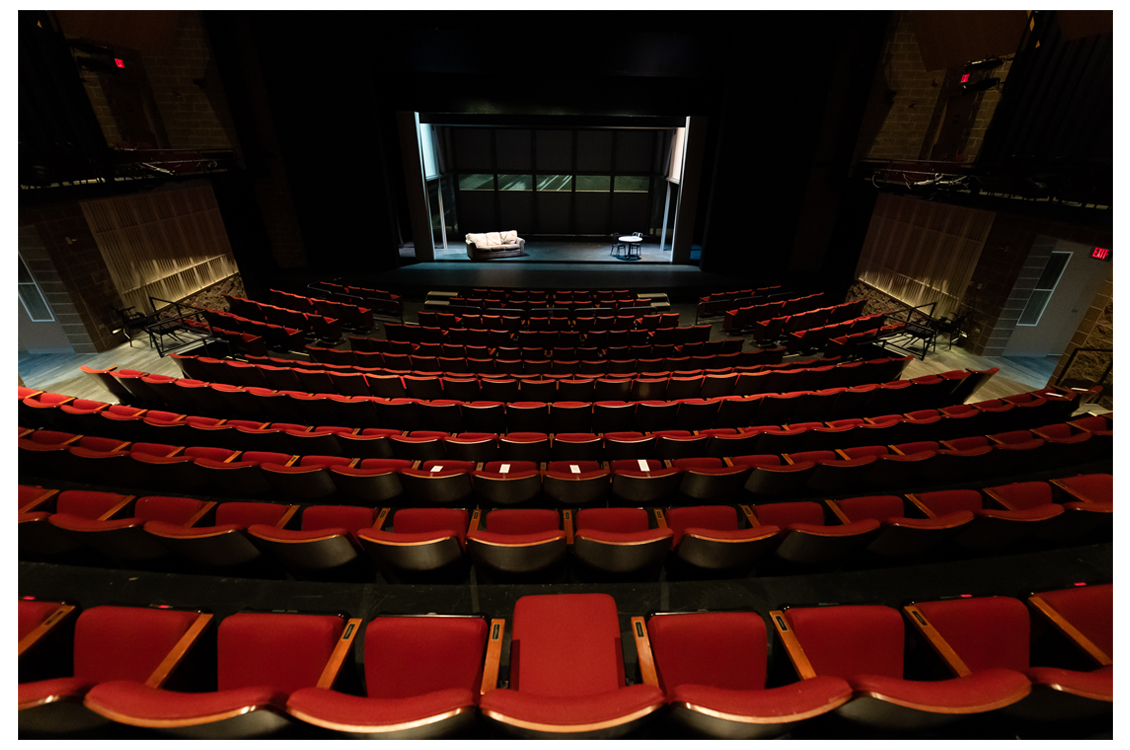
(921, 252)
(166, 245)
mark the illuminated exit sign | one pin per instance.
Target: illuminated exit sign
(1102, 253)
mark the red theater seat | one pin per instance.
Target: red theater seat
(422, 678)
(261, 659)
(863, 644)
(712, 668)
(110, 643)
(566, 672)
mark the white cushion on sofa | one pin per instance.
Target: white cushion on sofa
(510, 237)
(479, 240)
(494, 239)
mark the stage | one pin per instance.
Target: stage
(550, 251)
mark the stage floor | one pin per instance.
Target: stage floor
(544, 251)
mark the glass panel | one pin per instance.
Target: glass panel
(476, 182)
(449, 217)
(1035, 308)
(589, 183)
(34, 303)
(555, 182)
(515, 182)
(1050, 277)
(25, 275)
(632, 184)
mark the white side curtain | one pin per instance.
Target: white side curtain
(921, 252)
(166, 244)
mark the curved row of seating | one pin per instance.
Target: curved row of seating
(537, 544)
(551, 320)
(322, 327)
(422, 383)
(379, 301)
(279, 338)
(508, 413)
(769, 301)
(430, 676)
(795, 318)
(548, 337)
(352, 316)
(243, 343)
(816, 339)
(570, 469)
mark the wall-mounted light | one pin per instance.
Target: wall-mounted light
(982, 85)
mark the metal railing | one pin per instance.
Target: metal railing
(1063, 375)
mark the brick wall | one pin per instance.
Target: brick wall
(83, 294)
(917, 106)
(915, 94)
(211, 297)
(187, 90)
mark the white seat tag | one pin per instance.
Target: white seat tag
(434, 469)
(504, 469)
(643, 464)
(574, 468)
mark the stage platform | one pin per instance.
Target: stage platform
(682, 282)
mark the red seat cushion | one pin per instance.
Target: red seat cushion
(374, 714)
(571, 710)
(714, 517)
(975, 693)
(284, 652)
(32, 693)
(615, 520)
(138, 701)
(779, 704)
(1097, 684)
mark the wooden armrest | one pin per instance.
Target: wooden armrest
(341, 650)
(660, 518)
(939, 644)
(208, 507)
(39, 501)
(750, 517)
(567, 522)
(643, 652)
(1069, 630)
(838, 512)
(290, 513)
(493, 657)
(380, 522)
(120, 507)
(178, 652)
(476, 517)
(997, 498)
(797, 656)
(921, 506)
(43, 628)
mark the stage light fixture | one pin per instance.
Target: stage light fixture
(982, 85)
(987, 64)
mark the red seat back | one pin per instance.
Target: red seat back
(849, 640)
(410, 656)
(566, 645)
(126, 643)
(284, 652)
(719, 649)
(986, 632)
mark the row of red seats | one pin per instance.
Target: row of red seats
(647, 438)
(815, 339)
(355, 317)
(279, 338)
(574, 458)
(510, 544)
(407, 413)
(324, 328)
(718, 303)
(243, 343)
(796, 316)
(377, 300)
(743, 380)
(585, 321)
(433, 676)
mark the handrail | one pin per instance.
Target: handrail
(1071, 360)
(162, 326)
(927, 331)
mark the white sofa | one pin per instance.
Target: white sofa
(495, 245)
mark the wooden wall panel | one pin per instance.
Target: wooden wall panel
(166, 244)
(921, 252)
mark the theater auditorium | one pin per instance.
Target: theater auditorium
(494, 374)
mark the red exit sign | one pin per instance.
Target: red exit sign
(1102, 253)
